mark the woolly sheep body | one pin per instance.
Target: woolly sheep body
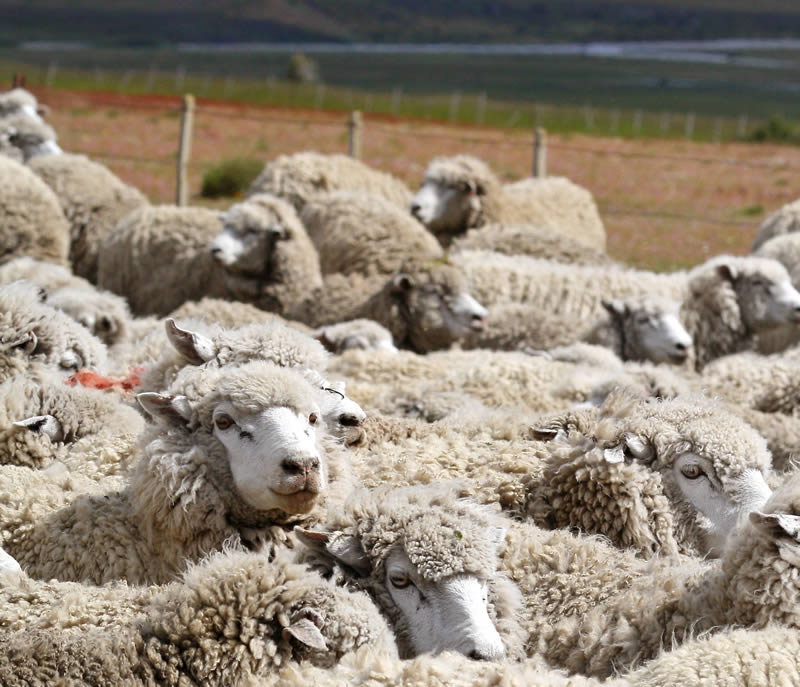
(93, 199)
(298, 177)
(31, 218)
(359, 334)
(168, 241)
(533, 241)
(230, 314)
(356, 232)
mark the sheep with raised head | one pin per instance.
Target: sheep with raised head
(168, 241)
(784, 220)
(753, 585)
(236, 453)
(103, 313)
(24, 139)
(461, 192)
(298, 178)
(424, 306)
(355, 232)
(20, 100)
(33, 334)
(181, 633)
(93, 199)
(31, 220)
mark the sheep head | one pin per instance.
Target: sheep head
(430, 562)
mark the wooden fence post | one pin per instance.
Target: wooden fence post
(539, 152)
(185, 151)
(354, 126)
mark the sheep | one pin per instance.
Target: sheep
(355, 232)
(297, 178)
(284, 346)
(430, 562)
(234, 454)
(93, 199)
(230, 314)
(574, 291)
(531, 241)
(266, 253)
(104, 314)
(24, 138)
(424, 306)
(784, 220)
(182, 634)
(753, 585)
(655, 476)
(31, 219)
(644, 328)
(42, 420)
(734, 658)
(19, 100)
(360, 334)
(33, 334)
(168, 241)
(461, 192)
(731, 301)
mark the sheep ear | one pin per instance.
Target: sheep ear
(788, 524)
(196, 348)
(726, 271)
(166, 406)
(355, 341)
(43, 424)
(545, 433)
(305, 632)
(340, 547)
(638, 446)
(615, 307)
(402, 282)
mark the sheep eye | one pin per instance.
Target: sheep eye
(691, 471)
(400, 580)
(223, 421)
(312, 419)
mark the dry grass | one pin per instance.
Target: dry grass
(664, 182)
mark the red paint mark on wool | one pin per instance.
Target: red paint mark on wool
(93, 380)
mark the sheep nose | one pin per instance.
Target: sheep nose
(415, 208)
(681, 347)
(477, 655)
(349, 420)
(216, 250)
(300, 465)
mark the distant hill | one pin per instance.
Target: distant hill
(147, 22)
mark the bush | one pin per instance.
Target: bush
(302, 69)
(230, 177)
(775, 129)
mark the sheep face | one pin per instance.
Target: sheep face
(343, 417)
(650, 330)
(274, 457)
(446, 207)
(437, 307)
(430, 565)
(764, 291)
(244, 247)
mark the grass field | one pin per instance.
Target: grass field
(666, 204)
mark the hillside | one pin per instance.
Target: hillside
(142, 22)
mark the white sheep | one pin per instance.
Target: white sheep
(168, 241)
(784, 220)
(298, 177)
(93, 199)
(33, 334)
(24, 138)
(230, 314)
(356, 232)
(31, 220)
(20, 100)
(461, 192)
(361, 334)
(104, 314)
(236, 455)
(425, 306)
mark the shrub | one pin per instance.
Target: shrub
(230, 177)
(775, 129)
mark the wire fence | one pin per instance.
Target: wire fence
(404, 147)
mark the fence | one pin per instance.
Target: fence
(663, 207)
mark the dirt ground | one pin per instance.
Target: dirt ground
(665, 203)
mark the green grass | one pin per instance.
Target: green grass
(603, 97)
(230, 177)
